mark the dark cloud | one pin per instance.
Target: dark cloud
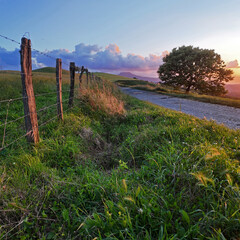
(94, 57)
(9, 59)
(233, 64)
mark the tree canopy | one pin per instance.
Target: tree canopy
(196, 69)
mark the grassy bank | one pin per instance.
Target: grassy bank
(119, 168)
(158, 88)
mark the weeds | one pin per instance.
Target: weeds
(103, 96)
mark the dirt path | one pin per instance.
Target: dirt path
(229, 116)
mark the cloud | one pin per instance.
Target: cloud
(9, 59)
(233, 64)
(95, 58)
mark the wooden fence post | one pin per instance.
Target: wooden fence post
(72, 80)
(89, 78)
(87, 75)
(80, 76)
(31, 122)
(59, 88)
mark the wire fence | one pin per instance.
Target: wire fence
(13, 115)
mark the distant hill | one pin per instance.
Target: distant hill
(111, 77)
(130, 75)
(49, 70)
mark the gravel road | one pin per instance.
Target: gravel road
(229, 116)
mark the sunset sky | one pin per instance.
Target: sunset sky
(115, 36)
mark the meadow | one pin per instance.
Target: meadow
(117, 168)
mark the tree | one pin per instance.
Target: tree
(196, 69)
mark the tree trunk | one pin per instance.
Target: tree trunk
(188, 89)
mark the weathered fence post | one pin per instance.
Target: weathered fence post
(72, 80)
(59, 88)
(80, 76)
(89, 78)
(29, 103)
(87, 75)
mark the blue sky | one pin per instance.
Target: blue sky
(133, 26)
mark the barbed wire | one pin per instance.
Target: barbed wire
(16, 140)
(12, 40)
(34, 49)
(5, 124)
(40, 110)
(29, 132)
(37, 95)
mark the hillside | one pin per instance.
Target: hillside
(117, 168)
(130, 75)
(111, 77)
(49, 70)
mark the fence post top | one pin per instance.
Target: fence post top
(25, 41)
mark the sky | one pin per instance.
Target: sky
(116, 36)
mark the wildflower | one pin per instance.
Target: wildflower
(109, 214)
(140, 210)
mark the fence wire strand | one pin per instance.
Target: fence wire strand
(34, 49)
(37, 95)
(5, 124)
(42, 124)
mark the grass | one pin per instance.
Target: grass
(100, 97)
(111, 77)
(49, 70)
(142, 173)
(161, 89)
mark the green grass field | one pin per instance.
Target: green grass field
(111, 77)
(142, 173)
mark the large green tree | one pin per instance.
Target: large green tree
(196, 69)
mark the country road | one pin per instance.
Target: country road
(229, 116)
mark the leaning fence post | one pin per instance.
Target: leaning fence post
(72, 80)
(59, 88)
(31, 122)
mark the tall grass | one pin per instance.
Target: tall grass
(103, 96)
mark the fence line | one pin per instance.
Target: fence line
(29, 96)
(38, 95)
